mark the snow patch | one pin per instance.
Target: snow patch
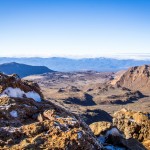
(17, 92)
(131, 120)
(6, 107)
(111, 147)
(34, 96)
(114, 132)
(80, 135)
(10, 129)
(13, 92)
(14, 113)
(4, 95)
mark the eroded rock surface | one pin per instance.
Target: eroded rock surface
(136, 78)
(134, 125)
(99, 128)
(29, 124)
(113, 139)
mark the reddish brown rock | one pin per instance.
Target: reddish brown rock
(136, 78)
(27, 124)
(133, 124)
(99, 128)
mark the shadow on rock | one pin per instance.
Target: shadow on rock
(87, 101)
(96, 115)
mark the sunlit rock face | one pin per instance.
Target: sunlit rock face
(134, 125)
(129, 130)
(27, 121)
(135, 78)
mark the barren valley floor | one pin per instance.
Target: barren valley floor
(90, 94)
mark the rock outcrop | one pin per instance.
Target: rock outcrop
(28, 123)
(134, 125)
(99, 128)
(112, 138)
(14, 82)
(129, 130)
(136, 78)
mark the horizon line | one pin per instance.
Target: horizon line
(134, 56)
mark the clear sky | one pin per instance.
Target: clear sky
(74, 27)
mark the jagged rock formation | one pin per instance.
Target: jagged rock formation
(30, 123)
(134, 125)
(136, 78)
(99, 127)
(14, 82)
(112, 138)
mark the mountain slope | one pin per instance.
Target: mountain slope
(23, 70)
(136, 78)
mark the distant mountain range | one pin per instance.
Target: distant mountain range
(66, 64)
(23, 70)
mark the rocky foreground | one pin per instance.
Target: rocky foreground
(134, 125)
(129, 129)
(27, 121)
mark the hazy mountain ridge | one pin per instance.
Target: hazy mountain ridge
(67, 64)
(22, 69)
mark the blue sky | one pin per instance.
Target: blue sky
(74, 27)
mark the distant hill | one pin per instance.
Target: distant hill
(67, 65)
(136, 78)
(23, 70)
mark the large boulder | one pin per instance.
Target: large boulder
(28, 123)
(99, 128)
(133, 124)
(147, 144)
(112, 138)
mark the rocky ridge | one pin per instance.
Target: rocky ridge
(135, 78)
(38, 124)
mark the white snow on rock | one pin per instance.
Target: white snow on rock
(13, 92)
(6, 107)
(80, 135)
(111, 147)
(17, 92)
(4, 95)
(14, 113)
(34, 96)
(131, 120)
(114, 132)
